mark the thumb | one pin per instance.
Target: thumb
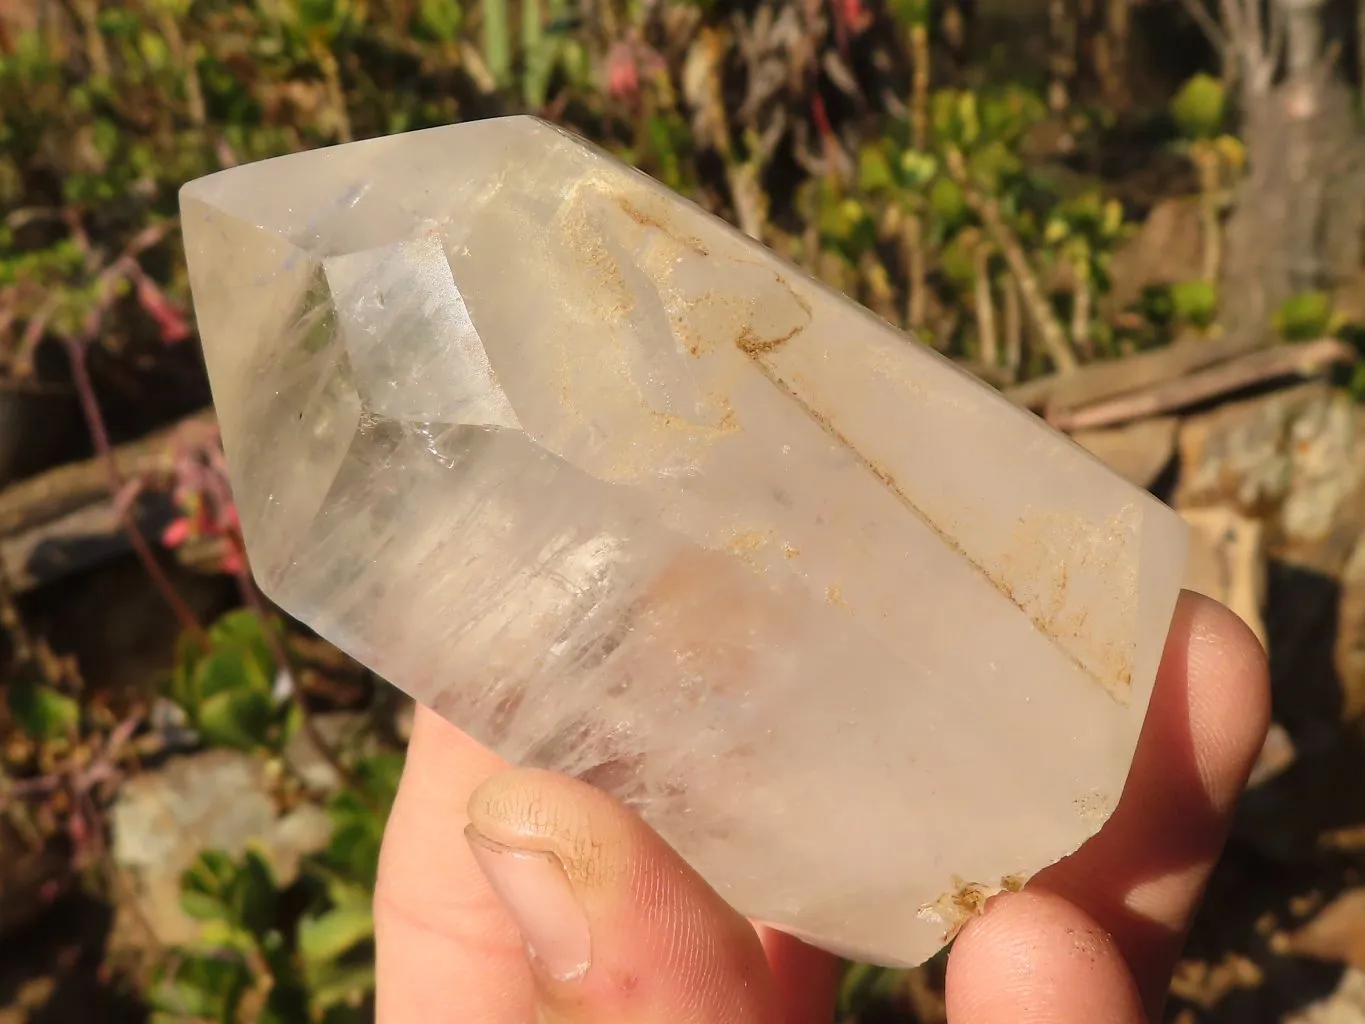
(616, 925)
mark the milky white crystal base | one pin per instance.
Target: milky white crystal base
(621, 494)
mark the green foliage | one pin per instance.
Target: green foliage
(866, 987)
(198, 987)
(227, 689)
(1305, 316)
(895, 184)
(317, 965)
(1194, 302)
(41, 711)
(352, 855)
(256, 944)
(1200, 108)
(238, 895)
(438, 20)
(911, 12)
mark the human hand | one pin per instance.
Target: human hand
(623, 930)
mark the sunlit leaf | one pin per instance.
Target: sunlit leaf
(240, 718)
(1200, 106)
(1195, 302)
(42, 712)
(332, 933)
(1304, 317)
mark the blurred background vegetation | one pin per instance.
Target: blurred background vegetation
(1141, 219)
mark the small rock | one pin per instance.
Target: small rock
(1350, 652)
(1295, 459)
(219, 799)
(1336, 934)
(1227, 562)
(1138, 452)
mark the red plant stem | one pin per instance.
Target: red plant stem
(99, 434)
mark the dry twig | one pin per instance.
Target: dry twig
(1044, 320)
(1255, 368)
(1103, 380)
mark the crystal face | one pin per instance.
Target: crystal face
(621, 494)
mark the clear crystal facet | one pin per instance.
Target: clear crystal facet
(621, 494)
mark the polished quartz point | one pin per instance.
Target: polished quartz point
(618, 492)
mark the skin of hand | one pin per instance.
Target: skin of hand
(509, 895)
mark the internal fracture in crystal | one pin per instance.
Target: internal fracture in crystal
(621, 494)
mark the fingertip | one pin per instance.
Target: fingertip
(1217, 671)
(1034, 958)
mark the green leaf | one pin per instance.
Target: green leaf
(947, 202)
(379, 775)
(1200, 107)
(254, 895)
(1195, 302)
(217, 934)
(42, 712)
(240, 718)
(541, 59)
(316, 15)
(203, 886)
(910, 12)
(200, 988)
(331, 934)
(1008, 114)
(336, 984)
(874, 170)
(497, 39)
(868, 988)
(957, 260)
(917, 169)
(233, 895)
(992, 164)
(439, 19)
(1305, 316)
(244, 630)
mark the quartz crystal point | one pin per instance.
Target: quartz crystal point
(621, 494)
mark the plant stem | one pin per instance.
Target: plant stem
(881, 297)
(1111, 57)
(336, 92)
(919, 138)
(917, 297)
(919, 91)
(1014, 328)
(1206, 160)
(1044, 320)
(497, 40)
(1062, 34)
(1080, 304)
(99, 435)
(189, 67)
(987, 339)
(95, 50)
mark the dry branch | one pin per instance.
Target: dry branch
(1170, 395)
(1035, 302)
(1099, 381)
(64, 519)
